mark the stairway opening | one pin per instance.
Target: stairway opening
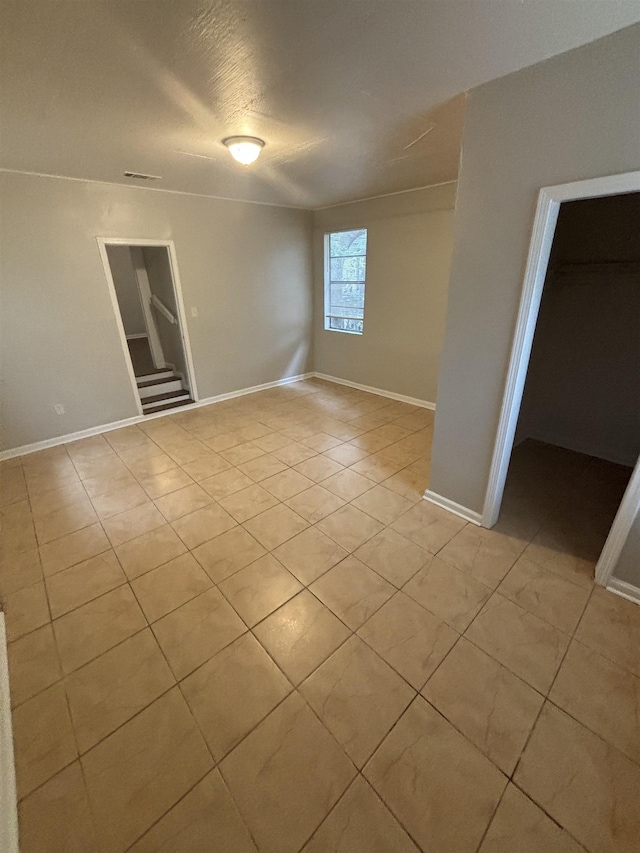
(152, 323)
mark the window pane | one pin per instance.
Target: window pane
(349, 243)
(348, 269)
(346, 325)
(347, 299)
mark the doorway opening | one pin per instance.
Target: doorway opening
(146, 294)
(569, 429)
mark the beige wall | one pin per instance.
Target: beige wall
(126, 285)
(583, 383)
(628, 566)
(246, 267)
(158, 266)
(573, 117)
(409, 244)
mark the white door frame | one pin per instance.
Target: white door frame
(136, 242)
(549, 201)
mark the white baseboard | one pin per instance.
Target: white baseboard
(8, 798)
(137, 336)
(87, 433)
(624, 589)
(451, 506)
(401, 398)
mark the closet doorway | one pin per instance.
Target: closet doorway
(147, 299)
(570, 420)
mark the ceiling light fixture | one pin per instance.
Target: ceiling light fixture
(244, 149)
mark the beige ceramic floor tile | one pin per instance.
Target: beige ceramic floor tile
(151, 465)
(18, 536)
(261, 467)
(43, 738)
(203, 524)
(205, 820)
(158, 485)
(588, 787)
(92, 629)
(348, 484)
(358, 697)
(300, 635)
(528, 646)
(545, 594)
(382, 504)
(183, 502)
(392, 556)
(286, 776)
(26, 610)
(611, 626)
(349, 527)
(321, 442)
(248, 503)
(520, 825)
(484, 554)
(571, 550)
(353, 591)
(141, 770)
(97, 487)
(206, 466)
(107, 692)
(286, 484)
(260, 588)
(294, 453)
(275, 526)
(440, 787)
(409, 638)
(227, 483)
(72, 549)
(195, 632)
(119, 500)
(56, 818)
(601, 695)
(360, 823)
(315, 503)
(377, 468)
(65, 520)
(149, 551)
(20, 571)
(43, 504)
(83, 582)
(241, 453)
(129, 525)
(346, 454)
(271, 442)
(428, 526)
(318, 468)
(310, 554)
(486, 702)
(233, 691)
(33, 664)
(409, 484)
(449, 594)
(167, 587)
(228, 553)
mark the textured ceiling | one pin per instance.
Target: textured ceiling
(341, 90)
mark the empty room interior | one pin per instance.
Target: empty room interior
(320, 426)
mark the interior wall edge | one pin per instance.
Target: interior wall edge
(24, 450)
(8, 797)
(381, 392)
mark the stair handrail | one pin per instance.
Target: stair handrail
(159, 305)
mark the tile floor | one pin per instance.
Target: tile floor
(240, 628)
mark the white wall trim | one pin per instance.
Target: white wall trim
(384, 195)
(8, 798)
(549, 201)
(401, 398)
(452, 506)
(622, 523)
(137, 336)
(625, 590)
(151, 189)
(97, 430)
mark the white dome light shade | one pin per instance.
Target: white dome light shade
(244, 149)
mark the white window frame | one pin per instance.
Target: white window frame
(327, 280)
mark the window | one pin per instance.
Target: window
(345, 273)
